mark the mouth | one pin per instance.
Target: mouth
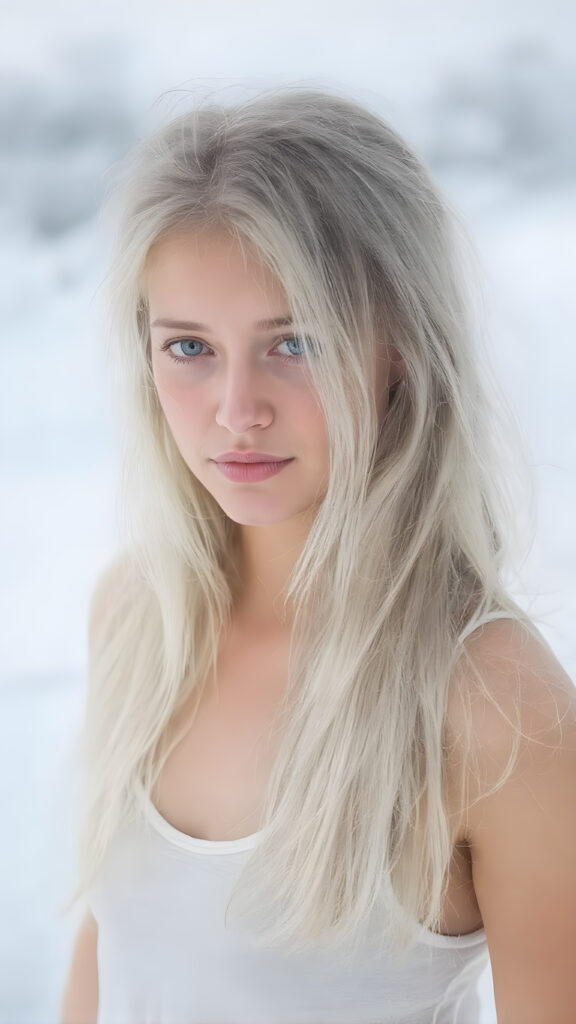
(244, 472)
(250, 457)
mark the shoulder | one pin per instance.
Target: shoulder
(522, 832)
(516, 691)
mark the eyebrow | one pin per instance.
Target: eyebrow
(189, 325)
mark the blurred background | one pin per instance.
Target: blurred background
(484, 91)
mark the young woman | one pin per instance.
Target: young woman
(329, 764)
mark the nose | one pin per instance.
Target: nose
(243, 405)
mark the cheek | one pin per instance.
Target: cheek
(171, 386)
(313, 425)
(176, 403)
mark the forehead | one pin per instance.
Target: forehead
(208, 266)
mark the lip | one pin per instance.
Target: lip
(249, 457)
(246, 473)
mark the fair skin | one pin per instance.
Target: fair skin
(522, 839)
(241, 387)
(514, 865)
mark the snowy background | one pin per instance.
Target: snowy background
(484, 91)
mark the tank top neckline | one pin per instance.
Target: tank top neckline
(231, 846)
(193, 843)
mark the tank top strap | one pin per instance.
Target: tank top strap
(498, 613)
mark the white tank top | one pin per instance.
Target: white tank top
(166, 957)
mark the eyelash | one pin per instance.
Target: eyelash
(167, 346)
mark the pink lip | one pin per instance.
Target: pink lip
(243, 472)
(248, 457)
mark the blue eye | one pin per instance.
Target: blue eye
(189, 357)
(290, 340)
(191, 341)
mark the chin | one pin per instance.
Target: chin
(244, 519)
(258, 516)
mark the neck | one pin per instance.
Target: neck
(266, 557)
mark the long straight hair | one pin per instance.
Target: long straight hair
(407, 549)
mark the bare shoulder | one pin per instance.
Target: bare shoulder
(513, 684)
(522, 832)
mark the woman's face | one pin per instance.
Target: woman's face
(238, 384)
(235, 383)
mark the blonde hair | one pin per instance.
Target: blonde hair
(407, 548)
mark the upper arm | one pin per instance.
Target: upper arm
(80, 996)
(522, 837)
